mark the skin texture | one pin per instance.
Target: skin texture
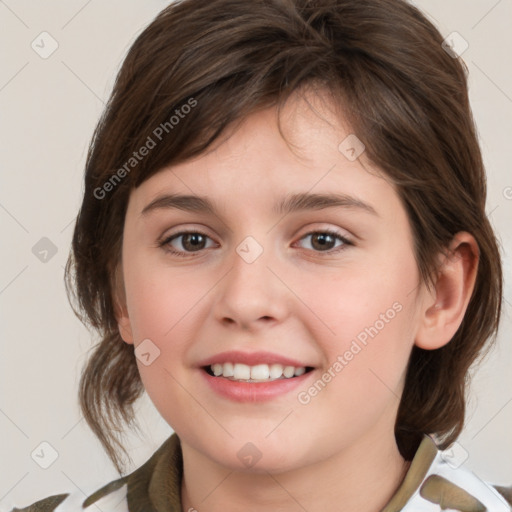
(296, 300)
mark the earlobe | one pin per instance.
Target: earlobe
(445, 306)
(125, 329)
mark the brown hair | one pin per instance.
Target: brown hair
(403, 95)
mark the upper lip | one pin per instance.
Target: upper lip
(251, 359)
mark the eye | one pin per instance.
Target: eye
(190, 242)
(186, 243)
(325, 241)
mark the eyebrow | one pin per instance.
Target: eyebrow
(290, 204)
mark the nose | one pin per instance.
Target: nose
(252, 294)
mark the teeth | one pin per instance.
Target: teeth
(259, 372)
(276, 371)
(228, 370)
(241, 371)
(289, 371)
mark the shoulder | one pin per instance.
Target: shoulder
(46, 505)
(449, 485)
(109, 498)
(151, 477)
(460, 488)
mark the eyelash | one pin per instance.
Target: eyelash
(165, 243)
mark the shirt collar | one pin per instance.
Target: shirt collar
(423, 459)
(167, 472)
(165, 484)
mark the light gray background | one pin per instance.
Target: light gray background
(48, 110)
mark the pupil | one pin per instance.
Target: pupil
(323, 239)
(194, 239)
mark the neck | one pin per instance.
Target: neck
(363, 477)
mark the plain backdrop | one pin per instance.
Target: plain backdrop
(48, 110)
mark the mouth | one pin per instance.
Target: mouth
(255, 377)
(259, 373)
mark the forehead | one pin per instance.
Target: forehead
(255, 164)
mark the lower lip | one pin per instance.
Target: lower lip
(253, 391)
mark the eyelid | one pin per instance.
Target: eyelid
(180, 234)
(343, 233)
(184, 230)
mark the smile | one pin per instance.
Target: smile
(258, 373)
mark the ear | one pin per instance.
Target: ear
(120, 307)
(444, 307)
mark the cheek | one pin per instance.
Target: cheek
(367, 309)
(160, 299)
(370, 310)
(163, 306)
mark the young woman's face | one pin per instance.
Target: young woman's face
(275, 278)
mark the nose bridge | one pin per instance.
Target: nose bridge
(250, 291)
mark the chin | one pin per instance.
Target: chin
(258, 456)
